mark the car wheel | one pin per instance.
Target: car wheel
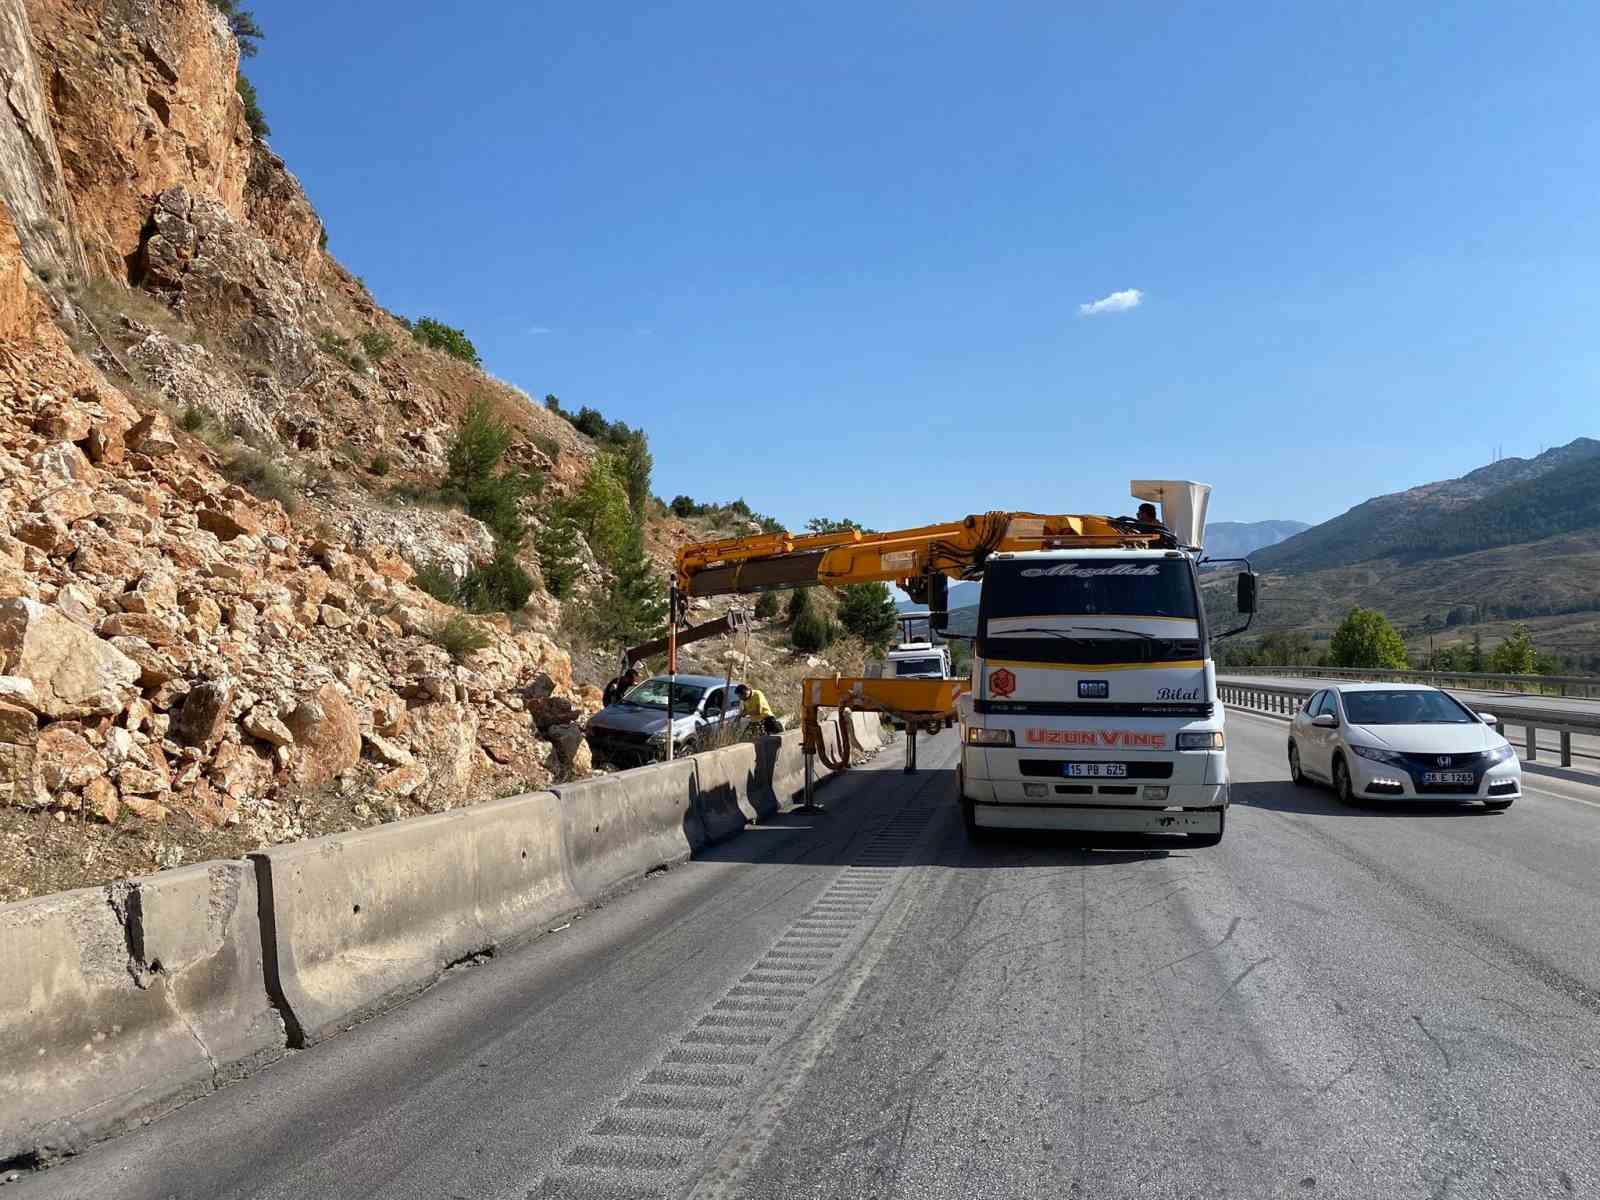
(1498, 805)
(1341, 783)
(1296, 775)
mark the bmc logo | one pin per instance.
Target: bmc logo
(1002, 682)
(1099, 739)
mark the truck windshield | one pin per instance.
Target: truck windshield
(918, 666)
(1101, 588)
(1105, 601)
(652, 693)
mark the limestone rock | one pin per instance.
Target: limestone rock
(73, 672)
(152, 436)
(19, 732)
(263, 722)
(445, 738)
(205, 715)
(402, 781)
(327, 734)
(146, 626)
(65, 759)
(100, 797)
(386, 751)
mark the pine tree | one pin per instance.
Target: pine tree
(556, 543)
(634, 606)
(868, 611)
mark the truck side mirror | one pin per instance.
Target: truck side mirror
(938, 602)
(1246, 599)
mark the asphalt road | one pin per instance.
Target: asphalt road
(1333, 1002)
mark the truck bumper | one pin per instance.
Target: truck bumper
(1081, 817)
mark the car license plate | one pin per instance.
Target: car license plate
(1466, 777)
(1096, 770)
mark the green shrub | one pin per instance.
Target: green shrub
(459, 635)
(377, 344)
(438, 582)
(243, 24)
(473, 474)
(1365, 639)
(480, 441)
(258, 474)
(868, 611)
(684, 506)
(499, 585)
(599, 508)
(800, 604)
(338, 346)
(556, 543)
(633, 606)
(380, 465)
(439, 336)
(193, 419)
(551, 447)
(767, 605)
(812, 632)
(253, 116)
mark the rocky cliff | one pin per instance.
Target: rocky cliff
(188, 667)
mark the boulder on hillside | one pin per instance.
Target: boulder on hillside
(205, 715)
(73, 672)
(327, 733)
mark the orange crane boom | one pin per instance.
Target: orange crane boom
(765, 561)
(920, 560)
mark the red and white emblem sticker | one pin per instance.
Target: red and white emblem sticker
(1002, 682)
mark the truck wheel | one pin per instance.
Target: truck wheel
(1201, 840)
(969, 819)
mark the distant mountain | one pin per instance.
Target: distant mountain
(1235, 539)
(1404, 522)
(1516, 540)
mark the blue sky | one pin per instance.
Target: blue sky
(833, 256)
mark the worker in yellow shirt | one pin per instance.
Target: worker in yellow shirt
(756, 709)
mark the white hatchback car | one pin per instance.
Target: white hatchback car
(1401, 741)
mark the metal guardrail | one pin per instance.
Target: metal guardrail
(1285, 701)
(1583, 686)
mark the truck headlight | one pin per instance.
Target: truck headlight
(979, 736)
(1201, 741)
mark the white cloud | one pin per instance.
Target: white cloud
(1116, 302)
(536, 329)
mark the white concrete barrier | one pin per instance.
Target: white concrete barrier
(118, 1003)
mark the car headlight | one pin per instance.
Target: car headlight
(1201, 741)
(1376, 755)
(979, 736)
(1500, 755)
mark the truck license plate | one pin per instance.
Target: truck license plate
(1466, 777)
(1097, 770)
